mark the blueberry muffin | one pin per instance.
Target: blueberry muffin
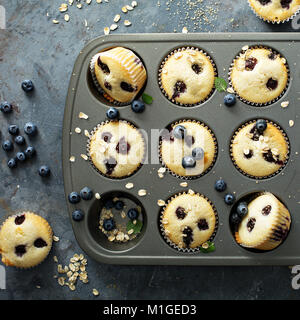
(188, 220)
(275, 10)
(187, 76)
(266, 224)
(120, 73)
(116, 149)
(25, 240)
(259, 148)
(188, 148)
(259, 75)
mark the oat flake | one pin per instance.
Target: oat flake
(291, 123)
(106, 30)
(84, 156)
(142, 192)
(117, 18)
(129, 185)
(285, 104)
(83, 116)
(95, 292)
(161, 203)
(127, 23)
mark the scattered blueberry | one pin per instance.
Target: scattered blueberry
(77, 215)
(27, 85)
(229, 198)
(21, 156)
(74, 197)
(179, 132)
(235, 219)
(137, 106)
(109, 204)
(7, 145)
(20, 140)
(261, 125)
(188, 162)
(44, 171)
(220, 185)
(229, 100)
(12, 163)
(112, 113)
(132, 214)
(30, 129)
(6, 107)
(242, 209)
(13, 129)
(119, 205)
(198, 153)
(30, 152)
(86, 193)
(109, 224)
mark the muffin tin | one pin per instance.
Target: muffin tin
(150, 247)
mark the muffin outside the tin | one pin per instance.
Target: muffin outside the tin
(266, 224)
(275, 11)
(187, 76)
(25, 240)
(116, 149)
(259, 75)
(120, 73)
(188, 221)
(174, 149)
(259, 154)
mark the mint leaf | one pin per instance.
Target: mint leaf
(220, 84)
(146, 98)
(211, 247)
(136, 227)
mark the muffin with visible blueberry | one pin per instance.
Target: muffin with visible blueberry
(275, 11)
(119, 73)
(116, 149)
(188, 148)
(259, 75)
(266, 224)
(25, 240)
(187, 76)
(259, 148)
(188, 221)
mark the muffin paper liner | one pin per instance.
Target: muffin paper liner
(249, 175)
(172, 244)
(42, 220)
(162, 65)
(91, 161)
(253, 103)
(273, 22)
(204, 172)
(283, 220)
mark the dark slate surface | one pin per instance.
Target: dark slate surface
(33, 47)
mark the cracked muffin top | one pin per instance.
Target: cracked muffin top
(187, 76)
(259, 75)
(275, 10)
(120, 73)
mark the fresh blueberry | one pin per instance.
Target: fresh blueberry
(119, 205)
(7, 145)
(109, 204)
(6, 107)
(20, 140)
(21, 156)
(242, 209)
(44, 171)
(198, 153)
(179, 132)
(30, 152)
(229, 100)
(261, 125)
(229, 198)
(132, 214)
(112, 113)
(137, 106)
(235, 219)
(109, 224)
(12, 163)
(27, 85)
(13, 129)
(30, 129)
(77, 215)
(220, 185)
(74, 197)
(188, 162)
(86, 193)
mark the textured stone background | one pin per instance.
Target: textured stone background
(33, 47)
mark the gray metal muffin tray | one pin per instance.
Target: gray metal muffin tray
(150, 247)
